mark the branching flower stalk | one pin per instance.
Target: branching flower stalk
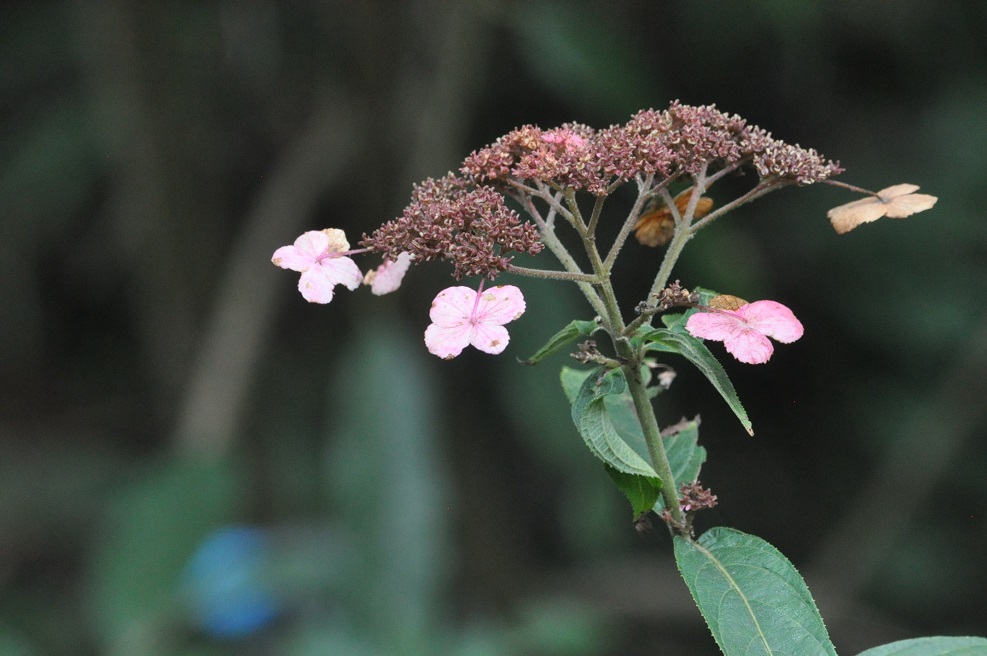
(570, 172)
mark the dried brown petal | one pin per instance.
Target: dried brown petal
(895, 202)
(726, 302)
(656, 227)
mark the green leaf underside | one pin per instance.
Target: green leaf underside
(642, 491)
(589, 413)
(753, 599)
(574, 330)
(620, 408)
(935, 646)
(692, 349)
(685, 456)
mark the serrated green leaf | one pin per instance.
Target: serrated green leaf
(684, 344)
(620, 407)
(574, 330)
(642, 491)
(590, 414)
(572, 379)
(685, 456)
(753, 599)
(934, 646)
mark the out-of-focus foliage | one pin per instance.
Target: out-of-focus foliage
(162, 381)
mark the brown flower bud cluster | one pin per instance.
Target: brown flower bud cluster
(463, 218)
(682, 139)
(695, 497)
(450, 220)
(675, 295)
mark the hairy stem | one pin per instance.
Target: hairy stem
(614, 324)
(552, 275)
(652, 437)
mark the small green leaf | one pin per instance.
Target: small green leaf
(620, 408)
(642, 491)
(574, 330)
(591, 416)
(685, 456)
(684, 344)
(937, 646)
(753, 599)
(572, 379)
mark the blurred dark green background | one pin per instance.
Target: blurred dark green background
(164, 387)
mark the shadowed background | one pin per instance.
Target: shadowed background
(194, 460)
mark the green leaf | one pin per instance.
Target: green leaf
(685, 456)
(753, 599)
(937, 646)
(671, 341)
(589, 413)
(642, 491)
(620, 408)
(574, 330)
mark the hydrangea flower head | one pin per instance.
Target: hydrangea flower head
(461, 316)
(745, 331)
(317, 254)
(388, 276)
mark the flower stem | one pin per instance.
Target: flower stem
(652, 437)
(639, 393)
(573, 276)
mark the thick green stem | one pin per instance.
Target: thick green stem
(652, 437)
(632, 371)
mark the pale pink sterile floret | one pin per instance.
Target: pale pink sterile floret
(745, 331)
(460, 317)
(388, 276)
(567, 138)
(317, 255)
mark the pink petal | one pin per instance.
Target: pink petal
(316, 286)
(342, 271)
(453, 307)
(388, 276)
(313, 242)
(500, 305)
(772, 319)
(447, 341)
(749, 346)
(290, 257)
(304, 253)
(490, 338)
(721, 325)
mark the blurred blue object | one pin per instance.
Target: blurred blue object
(226, 585)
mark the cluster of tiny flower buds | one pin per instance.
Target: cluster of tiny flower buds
(448, 220)
(695, 497)
(675, 295)
(682, 139)
(462, 218)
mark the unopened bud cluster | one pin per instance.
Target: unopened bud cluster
(462, 218)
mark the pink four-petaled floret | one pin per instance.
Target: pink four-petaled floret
(461, 317)
(317, 255)
(745, 331)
